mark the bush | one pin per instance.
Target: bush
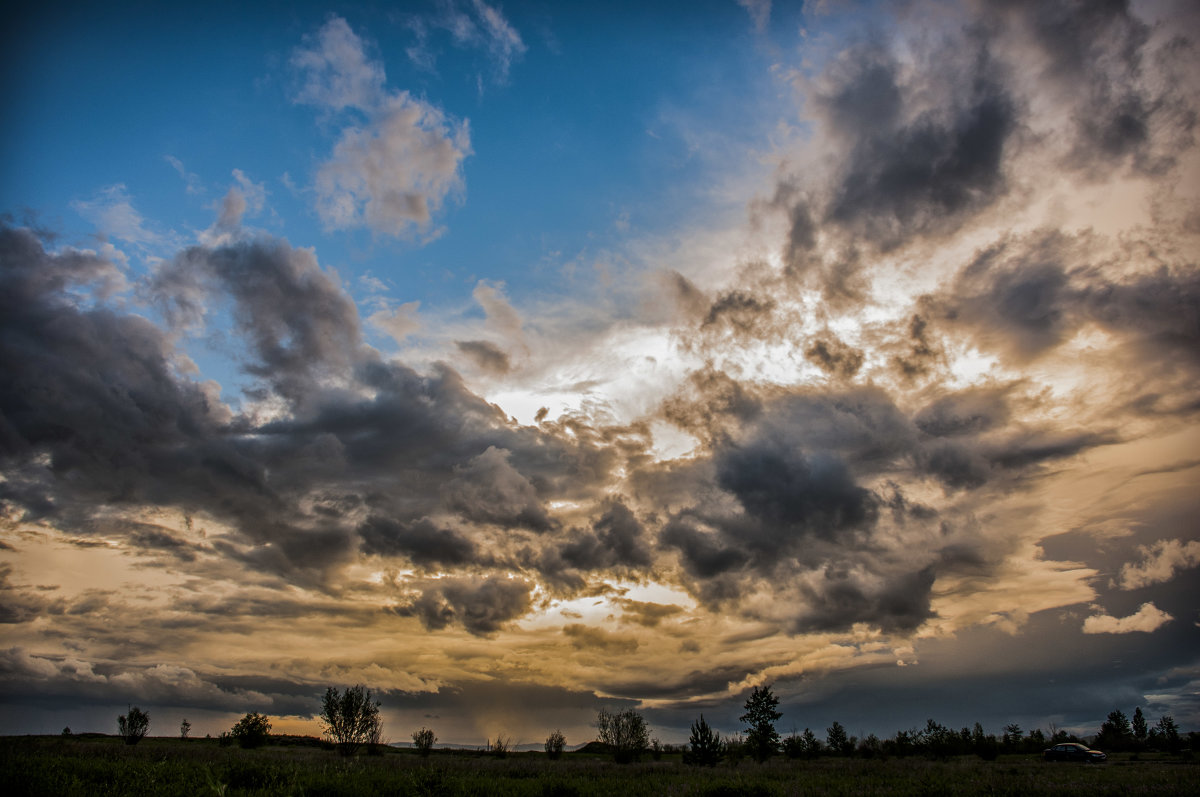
(423, 740)
(251, 730)
(555, 743)
(134, 725)
(624, 732)
(499, 747)
(351, 718)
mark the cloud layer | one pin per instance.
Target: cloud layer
(935, 404)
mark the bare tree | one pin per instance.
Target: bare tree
(555, 743)
(624, 732)
(185, 728)
(351, 718)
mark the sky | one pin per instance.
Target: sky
(521, 359)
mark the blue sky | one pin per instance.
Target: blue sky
(604, 355)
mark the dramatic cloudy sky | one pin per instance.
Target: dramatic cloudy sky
(520, 359)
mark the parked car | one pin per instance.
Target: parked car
(1073, 751)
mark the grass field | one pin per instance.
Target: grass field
(66, 766)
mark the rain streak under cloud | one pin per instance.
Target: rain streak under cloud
(515, 361)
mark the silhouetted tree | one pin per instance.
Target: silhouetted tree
(555, 743)
(1165, 734)
(704, 745)
(836, 738)
(1115, 733)
(67, 731)
(761, 715)
(351, 717)
(185, 728)
(424, 740)
(1011, 740)
(870, 747)
(624, 732)
(251, 730)
(1138, 726)
(133, 726)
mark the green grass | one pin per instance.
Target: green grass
(67, 766)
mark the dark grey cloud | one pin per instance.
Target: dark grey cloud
(965, 412)
(423, 542)
(299, 324)
(617, 539)
(487, 356)
(1027, 296)
(740, 314)
(907, 175)
(900, 603)
(93, 411)
(1103, 63)
(832, 355)
(489, 489)
(482, 605)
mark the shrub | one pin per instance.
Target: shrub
(251, 730)
(624, 732)
(555, 743)
(350, 718)
(134, 725)
(423, 740)
(499, 747)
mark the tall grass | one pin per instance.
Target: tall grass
(70, 766)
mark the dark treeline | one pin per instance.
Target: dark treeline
(351, 720)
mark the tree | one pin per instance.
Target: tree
(423, 740)
(133, 726)
(1115, 733)
(761, 737)
(1166, 733)
(811, 744)
(624, 732)
(185, 728)
(251, 730)
(704, 745)
(555, 743)
(351, 718)
(1138, 725)
(836, 738)
(1011, 739)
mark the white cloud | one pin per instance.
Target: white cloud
(1148, 618)
(1160, 562)
(486, 28)
(399, 322)
(336, 71)
(759, 10)
(393, 173)
(503, 42)
(190, 178)
(112, 211)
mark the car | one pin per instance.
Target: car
(1073, 751)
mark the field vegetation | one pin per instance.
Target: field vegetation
(104, 765)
